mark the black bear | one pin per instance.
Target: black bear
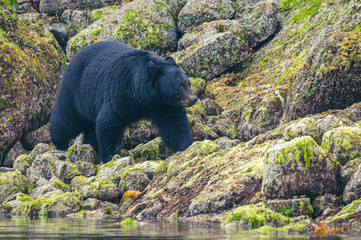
(109, 85)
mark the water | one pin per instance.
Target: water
(65, 228)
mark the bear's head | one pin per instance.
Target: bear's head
(172, 83)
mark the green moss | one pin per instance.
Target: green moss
(346, 212)
(60, 184)
(255, 216)
(175, 216)
(98, 32)
(139, 31)
(97, 15)
(23, 197)
(128, 223)
(28, 160)
(162, 168)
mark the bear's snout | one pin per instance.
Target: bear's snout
(189, 100)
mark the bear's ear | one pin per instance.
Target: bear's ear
(170, 60)
(154, 69)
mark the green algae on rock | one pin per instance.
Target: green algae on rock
(299, 167)
(11, 183)
(31, 62)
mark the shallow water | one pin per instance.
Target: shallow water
(65, 228)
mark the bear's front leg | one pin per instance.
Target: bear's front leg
(174, 127)
(109, 131)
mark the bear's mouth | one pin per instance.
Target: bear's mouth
(189, 102)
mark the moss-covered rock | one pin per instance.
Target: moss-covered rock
(299, 167)
(304, 127)
(150, 151)
(194, 13)
(344, 142)
(22, 163)
(141, 24)
(84, 152)
(350, 214)
(251, 216)
(331, 64)
(30, 66)
(291, 207)
(11, 183)
(353, 188)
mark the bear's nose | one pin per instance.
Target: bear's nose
(194, 100)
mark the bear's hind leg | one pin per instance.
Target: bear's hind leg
(64, 128)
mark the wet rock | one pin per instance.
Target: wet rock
(304, 127)
(96, 187)
(330, 65)
(251, 216)
(201, 180)
(92, 204)
(348, 170)
(11, 183)
(225, 142)
(353, 188)
(41, 135)
(211, 107)
(157, 29)
(40, 149)
(291, 207)
(350, 215)
(344, 142)
(194, 13)
(139, 133)
(59, 32)
(135, 180)
(22, 163)
(321, 203)
(260, 113)
(198, 86)
(114, 166)
(299, 167)
(58, 7)
(58, 206)
(212, 48)
(84, 152)
(58, 184)
(42, 166)
(225, 127)
(14, 152)
(26, 6)
(152, 150)
(75, 20)
(31, 82)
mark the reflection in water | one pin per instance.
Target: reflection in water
(68, 228)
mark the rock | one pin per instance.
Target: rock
(212, 48)
(139, 133)
(11, 183)
(84, 152)
(260, 113)
(348, 170)
(202, 181)
(58, 206)
(135, 180)
(211, 107)
(22, 163)
(330, 65)
(321, 203)
(156, 29)
(349, 214)
(42, 166)
(225, 142)
(299, 167)
(26, 6)
(198, 86)
(14, 152)
(30, 83)
(40, 149)
(291, 207)
(58, 7)
(353, 188)
(92, 204)
(304, 127)
(58, 184)
(40, 135)
(96, 187)
(75, 20)
(152, 150)
(114, 166)
(194, 13)
(45, 191)
(251, 216)
(344, 142)
(59, 32)
(66, 170)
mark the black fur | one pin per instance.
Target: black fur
(110, 85)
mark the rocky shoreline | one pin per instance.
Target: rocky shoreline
(277, 129)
